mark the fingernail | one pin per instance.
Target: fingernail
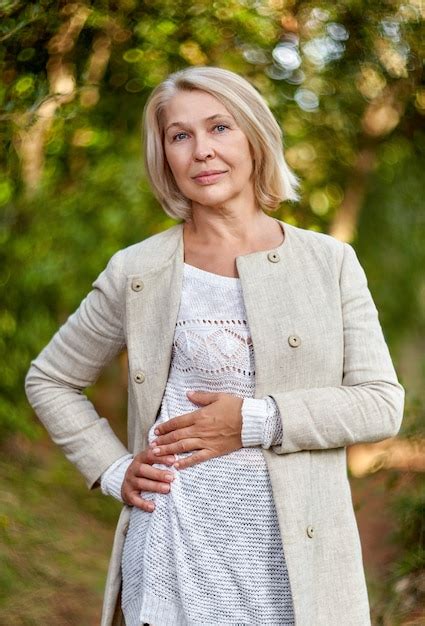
(169, 477)
(156, 450)
(156, 431)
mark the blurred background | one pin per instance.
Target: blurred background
(344, 81)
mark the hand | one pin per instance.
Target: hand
(141, 476)
(213, 430)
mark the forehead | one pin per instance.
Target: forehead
(191, 105)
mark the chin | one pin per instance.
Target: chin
(213, 196)
(212, 203)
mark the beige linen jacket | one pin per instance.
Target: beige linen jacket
(319, 351)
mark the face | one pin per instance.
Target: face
(207, 152)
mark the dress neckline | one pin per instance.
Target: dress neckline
(210, 277)
(231, 280)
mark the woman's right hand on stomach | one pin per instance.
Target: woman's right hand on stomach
(141, 476)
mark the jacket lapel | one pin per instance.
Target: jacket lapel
(270, 286)
(151, 315)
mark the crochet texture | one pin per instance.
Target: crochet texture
(211, 552)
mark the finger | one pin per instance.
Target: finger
(144, 484)
(153, 473)
(146, 456)
(170, 459)
(185, 445)
(186, 419)
(167, 459)
(151, 458)
(171, 437)
(136, 500)
(203, 397)
(194, 459)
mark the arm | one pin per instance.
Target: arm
(368, 406)
(72, 361)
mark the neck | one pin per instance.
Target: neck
(228, 228)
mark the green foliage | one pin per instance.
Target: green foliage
(391, 238)
(409, 510)
(405, 580)
(344, 81)
(73, 191)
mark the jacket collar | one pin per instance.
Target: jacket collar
(168, 248)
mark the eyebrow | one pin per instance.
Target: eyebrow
(207, 119)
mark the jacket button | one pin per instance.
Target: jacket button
(310, 531)
(137, 284)
(294, 341)
(273, 257)
(139, 377)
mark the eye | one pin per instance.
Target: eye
(221, 126)
(176, 137)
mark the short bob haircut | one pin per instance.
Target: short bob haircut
(273, 179)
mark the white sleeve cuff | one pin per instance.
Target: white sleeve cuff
(254, 414)
(273, 428)
(112, 478)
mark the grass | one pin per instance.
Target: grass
(55, 540)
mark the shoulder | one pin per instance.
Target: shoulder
(319, 247)
(148, 254)
(313, 239)
(140, 258)
(325, 254)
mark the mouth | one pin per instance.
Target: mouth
(208, 178)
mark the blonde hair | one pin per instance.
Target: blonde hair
(274, 181)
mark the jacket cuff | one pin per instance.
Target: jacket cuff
(112, 479)
(254, 414)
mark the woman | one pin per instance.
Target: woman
(237, 504)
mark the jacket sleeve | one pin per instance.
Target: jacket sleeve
(368, 405)
(72, 361)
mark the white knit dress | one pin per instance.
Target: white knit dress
(211, 552)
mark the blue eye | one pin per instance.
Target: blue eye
(178, 135)
(223, 126)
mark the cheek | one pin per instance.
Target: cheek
(176, 162)
(178, 170)
(245, 165)
(174, 170)
(170, 160)
(241, 155)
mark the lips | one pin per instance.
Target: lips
(209, 176)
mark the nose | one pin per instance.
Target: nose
(202, 149)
